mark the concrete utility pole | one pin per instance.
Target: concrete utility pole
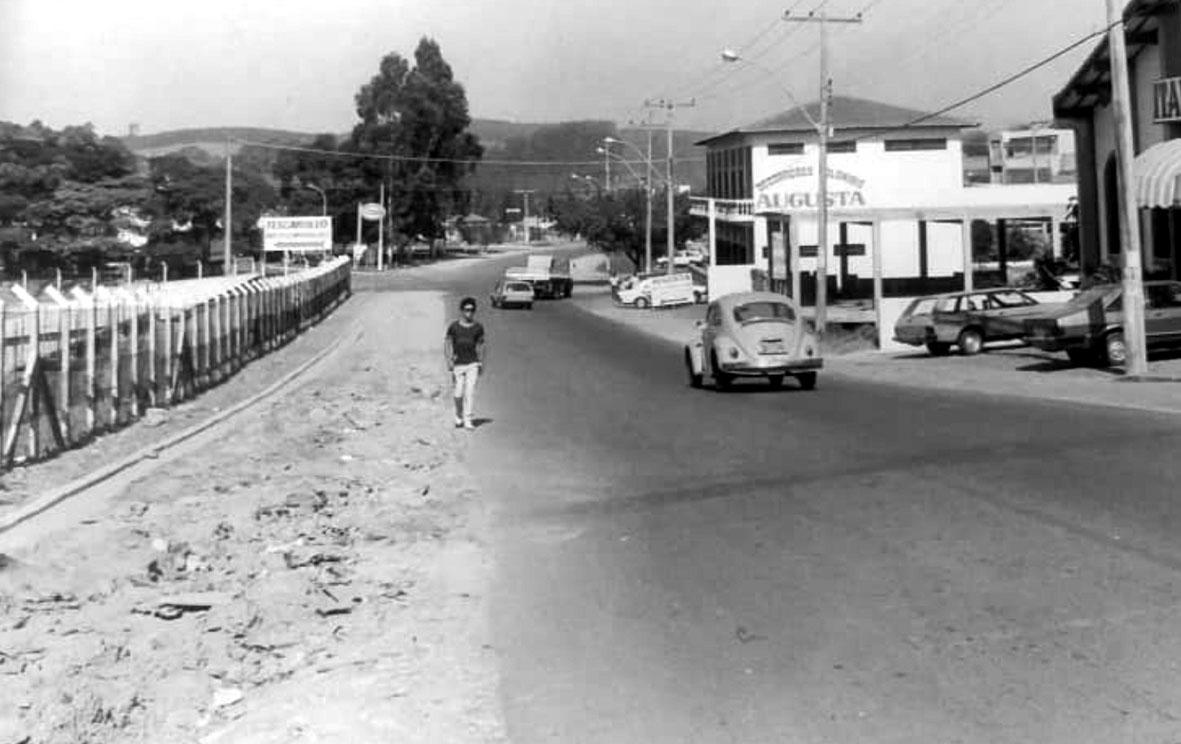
(1133, 277)
(670, 185)
(824, 131)
(227, 254)
(525, 221)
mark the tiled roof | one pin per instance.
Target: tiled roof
(848, 113)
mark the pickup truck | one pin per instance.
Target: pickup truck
(549, 275)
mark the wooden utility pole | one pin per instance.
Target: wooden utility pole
(525, 220)
(228, 227)
(1133, 278)
(670, 185)
(822, 166)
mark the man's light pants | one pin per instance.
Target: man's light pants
(465, 389)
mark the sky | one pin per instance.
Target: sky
(296, 64)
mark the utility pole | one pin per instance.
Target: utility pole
(227, 255)
(1133, 277)
(525, 221)
(824, 131)
(648, 208)
(670, 184)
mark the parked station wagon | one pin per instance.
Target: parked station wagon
(967, 320)
(753, 334)
(1089, 328)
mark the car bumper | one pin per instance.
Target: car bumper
(1058, 343)
(762, 369)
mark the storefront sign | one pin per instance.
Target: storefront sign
(776, 193)
(1166, 100)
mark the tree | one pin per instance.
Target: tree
(418, 116)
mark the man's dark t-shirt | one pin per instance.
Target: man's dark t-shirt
(464, 340)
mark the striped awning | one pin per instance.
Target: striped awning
(1156, 171)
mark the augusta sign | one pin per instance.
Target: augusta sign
(783, 191)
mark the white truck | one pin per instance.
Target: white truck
(659, 290)
(549, 275)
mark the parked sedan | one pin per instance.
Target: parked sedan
(510, 293)
(753, 334)
(967, 320)
(1090, 327)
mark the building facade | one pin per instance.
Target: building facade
(1034, 155)
(1153, 37)
(900, 214)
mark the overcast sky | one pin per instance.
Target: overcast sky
(296, 64)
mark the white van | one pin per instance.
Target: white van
(657, 290)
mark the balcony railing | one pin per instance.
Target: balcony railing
(737, 210)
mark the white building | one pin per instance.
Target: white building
(1033, 155)
(900, 214)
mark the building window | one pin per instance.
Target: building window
(844, 146)
(906, 145)
(785, 148)
(1023, 147)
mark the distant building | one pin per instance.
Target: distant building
(1152, 31)
(1034, 155)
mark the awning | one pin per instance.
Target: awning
(1156, 171)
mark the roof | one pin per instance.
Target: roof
(846, 113)
(1090, 86)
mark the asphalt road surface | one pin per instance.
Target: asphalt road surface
(860, 563)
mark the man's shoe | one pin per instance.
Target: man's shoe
(468, 425)
(458, 423)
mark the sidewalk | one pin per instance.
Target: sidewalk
(1012, 370)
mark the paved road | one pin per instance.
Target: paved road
(856, 563)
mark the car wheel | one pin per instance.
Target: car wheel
(722, 381)
(935, 348)
(694, 377)
(528, 305)
(807, 380)
(970, 342)
(1115, 351)
(776, 381)
(642, 303)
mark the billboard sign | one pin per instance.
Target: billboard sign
(296, 234)
(1166, 100)
(372, 211)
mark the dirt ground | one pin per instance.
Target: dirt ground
(313, 571)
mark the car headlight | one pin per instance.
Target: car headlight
(732, 352)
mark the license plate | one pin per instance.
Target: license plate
(772, 347)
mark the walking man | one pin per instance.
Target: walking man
(463, 348)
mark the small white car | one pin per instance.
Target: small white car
(512, 293)
(753, 334)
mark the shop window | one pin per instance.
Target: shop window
(845, 146)
(920, 143)
(785, 148)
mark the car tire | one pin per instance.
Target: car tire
(936, 348)
(1115, 351)
(528, 305)
(722, 381)
(776, 381)
(695, 379)
(971, 342)
(642, 303)
(807, 380)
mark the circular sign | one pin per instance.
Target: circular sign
(372, 211)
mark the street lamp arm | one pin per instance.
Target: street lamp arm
(643, 156)
(734, 57)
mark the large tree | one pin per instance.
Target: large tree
(418, 117)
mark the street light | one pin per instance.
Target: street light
(323, 196)
(606, 153)
(822, 129)
(647, 195)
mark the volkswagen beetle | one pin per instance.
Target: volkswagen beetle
(753, 334)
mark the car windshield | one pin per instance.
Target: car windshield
(921, 306)
(1011, 299)
(755, 312)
